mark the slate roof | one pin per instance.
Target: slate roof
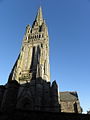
(68, 96)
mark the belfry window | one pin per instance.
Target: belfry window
(35, 36)
(39, 36)
(42, 45)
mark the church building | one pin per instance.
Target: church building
(29, 86)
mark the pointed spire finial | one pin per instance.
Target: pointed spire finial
(39, 17)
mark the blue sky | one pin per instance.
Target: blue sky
(68, 23)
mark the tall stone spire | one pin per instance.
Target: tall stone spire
(33, 60)
(39, 17)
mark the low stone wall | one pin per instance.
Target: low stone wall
(36, 115)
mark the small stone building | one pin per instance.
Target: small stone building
(69, 102)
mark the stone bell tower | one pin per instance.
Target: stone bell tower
(33, 60)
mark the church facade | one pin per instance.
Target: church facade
(29, 86)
